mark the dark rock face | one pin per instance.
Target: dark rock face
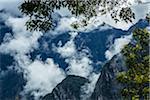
(68, 89)
(107, 87)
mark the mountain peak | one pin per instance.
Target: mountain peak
(68, 89)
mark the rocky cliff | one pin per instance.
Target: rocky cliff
(68, 89)
(107, 87)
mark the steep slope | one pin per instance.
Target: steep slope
(68, 89)
(107, 87)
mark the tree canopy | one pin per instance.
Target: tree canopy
(41, 11)
(136, 78)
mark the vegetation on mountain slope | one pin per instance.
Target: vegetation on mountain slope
(136, 79)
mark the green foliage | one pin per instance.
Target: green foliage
(148, 17)
(41, 11)
(136, 78)
(75, 25)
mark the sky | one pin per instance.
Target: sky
(23, 42)
(140, 11)
(11, 5)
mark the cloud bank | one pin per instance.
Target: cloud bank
(41, 76)
(140, 11)
(88, 88)
(118, 45)
(79, 62)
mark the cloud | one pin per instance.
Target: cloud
(41, 76)
(140, 11)
(69, 49)
(22, 41)
(79, 66)
(89, 87)
(118, 45)
(11, 5)
(79, 62)
(65, 23)
(148, 28)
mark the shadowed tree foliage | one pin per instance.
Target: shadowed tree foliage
(148, 17)
(41, 11)
(136, 79)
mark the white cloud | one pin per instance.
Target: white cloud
(43, 77)
(19, 44)
(89, 87)
(69, 49)
(79, 66)
(141, 10)
(65, 22)
(79, 62)
(64, 25)
(148, 28)
(118, 45)
(17, 24)
(10, 5)
(22, 41)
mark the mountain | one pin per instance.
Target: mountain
(96, 41)
(68, 89)
(107, 87)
